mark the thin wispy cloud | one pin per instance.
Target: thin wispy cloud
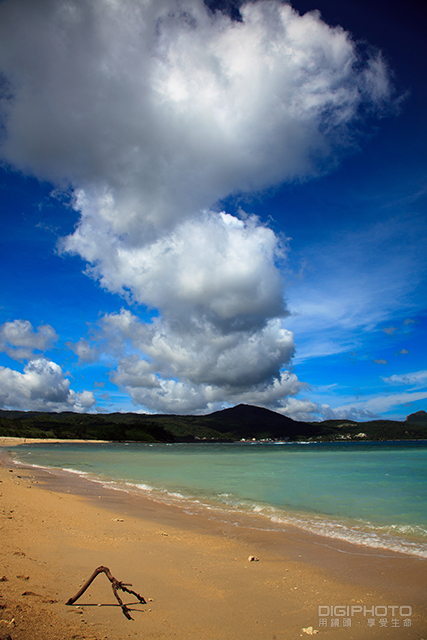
(375, 406)
(414, 379)
(353, 286)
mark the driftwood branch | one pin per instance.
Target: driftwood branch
(116, 584)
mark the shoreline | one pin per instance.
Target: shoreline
(155, 546)
(11, 441)
(291, 542)
(15, 441)
(329, 529)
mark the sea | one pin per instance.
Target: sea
(372, 494)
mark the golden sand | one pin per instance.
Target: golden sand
(195, 574)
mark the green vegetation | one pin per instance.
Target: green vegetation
(240, 422)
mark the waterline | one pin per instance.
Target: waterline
(372, 495)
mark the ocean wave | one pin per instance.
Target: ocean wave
(228, 508)
(405, 538)
(374, 539)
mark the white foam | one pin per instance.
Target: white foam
(354, 534)
(141, 485)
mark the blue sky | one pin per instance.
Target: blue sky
(201, 208)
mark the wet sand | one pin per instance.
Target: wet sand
(194, 572)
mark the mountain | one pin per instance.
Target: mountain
(420, 417)
(236, 423)
(247, 421)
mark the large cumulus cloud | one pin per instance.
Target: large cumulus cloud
(216, 265)
(151, 112)
(163, 108)
(41, 387)
(175, 368)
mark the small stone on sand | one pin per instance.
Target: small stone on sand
(310, 631)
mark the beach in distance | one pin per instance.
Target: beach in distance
(219, 575)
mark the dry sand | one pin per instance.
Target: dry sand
(194, 572)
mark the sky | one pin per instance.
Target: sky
(211, 203)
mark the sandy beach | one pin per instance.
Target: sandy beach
(194, 573)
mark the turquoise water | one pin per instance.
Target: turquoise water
(373, 494)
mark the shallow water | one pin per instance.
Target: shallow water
(374, 494)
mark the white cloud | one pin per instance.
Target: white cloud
(376, 405)
(206, 355)
(169, 101)
(348, 412)
(181, 396)
(415, 379)
(301, 409)
(306, 410)
(84, 350)
(19, 340)
(42, 387)
(195, 366)
(217, 264)
(153, 111)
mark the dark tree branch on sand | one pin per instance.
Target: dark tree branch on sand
(116, 584)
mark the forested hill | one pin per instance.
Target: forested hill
(237, 423)
(243, 421)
